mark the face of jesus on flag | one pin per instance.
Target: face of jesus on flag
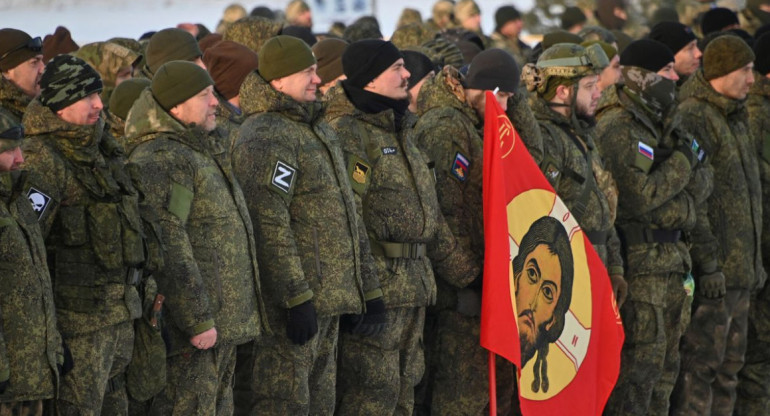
(543, 276)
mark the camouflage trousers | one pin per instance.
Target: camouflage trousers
(25, 408)
(96, 383)
(712, 351)
(277, 377)
(649, 362)
(198, 383)
(754, 377)
(377, 374)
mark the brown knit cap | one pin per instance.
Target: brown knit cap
(228, 63)
(16, 47)
(725, 54)
(328, 52)
(58, 43)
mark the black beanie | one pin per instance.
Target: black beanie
(717, 19)
(762, 52)
(572, 16)
(66, 80)
(648, 54)
(366, 59)
(504, 15)
(672, 34)
(418, 65)
(493, 68)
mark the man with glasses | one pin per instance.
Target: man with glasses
(21, 65)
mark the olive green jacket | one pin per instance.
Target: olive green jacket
(311, 242)
(209, 274)
(88, 213)
(30, 345)
(758, 105)
(396, 192)
(524, 121)
(13, 101)
(735, 205)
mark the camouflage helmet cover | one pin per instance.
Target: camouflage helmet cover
(564, 60)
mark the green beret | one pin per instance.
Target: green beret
(725, 54)
(284, 55)
(125, 94)
(171, 45)
(177, 81)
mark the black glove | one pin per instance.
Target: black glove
(303, 323)
(67, 363)
(4, 386)
(371, 323)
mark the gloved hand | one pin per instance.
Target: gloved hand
(371, 323)
(619, 289)
(66, 363)
(712, 285)
(303, 323)
(4, 386)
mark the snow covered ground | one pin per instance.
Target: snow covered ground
(94, 20)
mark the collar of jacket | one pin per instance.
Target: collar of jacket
(11, 183)
(697, 87)
(79, 143)
(543, 112)
(444, 90)
(258, 96)
(761, 85)
(228, 111)
(338, 104)
(12, 98)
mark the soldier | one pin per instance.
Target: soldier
(442, 15)
(713, 347)
(565, 80)
(314, 255)
(508, 26)
(88, 212)
(31, 353)
(209, 275)
(228, 64)
(754, 378)
(683, 44)
(21, 64)
(449, 134)
(652, 165)
(252, 31)
(421, 69)
(113, 62)
(170, 45)
(610, 75)
(328, 53)
(121, 100)
(395, 191)
(718, 19)
(298, 14)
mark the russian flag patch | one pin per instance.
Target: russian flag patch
(460, 167)
(646, 151)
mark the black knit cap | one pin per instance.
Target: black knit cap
(66, 80)
(493, 68)
(717, 19)
(366, 59)
(762, 52)
(648, 54)
(505, 14)
(672, 34)
(418, 64)
(572, 16)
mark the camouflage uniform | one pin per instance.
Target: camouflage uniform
(519, 50)
(209, 274)
(520, 114)
(107, 59)
(654, 210)
(88, 211)
(252, 31)
(229, 118)
(754, 378)
(311, 244)
(13, 101)
(395, 190)
(714, 345)
(30, 345)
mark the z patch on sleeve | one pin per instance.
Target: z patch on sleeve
(283, 177)
(39, 201)
(460, 167)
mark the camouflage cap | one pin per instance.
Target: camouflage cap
(444, 52)
(252, 31)
(171, 45)
(125, 94)
(107, 59)
(413, 34)
(365, 27)
(16, 47)
(177, 81)
(11, 133)
(66, 80)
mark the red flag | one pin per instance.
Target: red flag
(547, 302)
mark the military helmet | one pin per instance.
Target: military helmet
(564, 60)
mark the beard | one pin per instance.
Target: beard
(529, 346)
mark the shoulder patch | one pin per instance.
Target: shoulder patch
(389, 150)
(551, 171)
(39, 201)
(283, 177)
(698, 150)
(359, 172)
(460, 167)
(646, 150)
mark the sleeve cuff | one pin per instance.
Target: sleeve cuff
(708, 268)
(202, 327)
(298, 300)
(373, 294)
(615, 270)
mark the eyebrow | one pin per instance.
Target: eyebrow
(533, 262)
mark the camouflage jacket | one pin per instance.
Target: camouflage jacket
(209, 274)
(565, 165)
(652, 195)
(758, 105)
(87, 208)
(395, 190)
(524, 121)
(30, 345)
(229, 118)
(519, 50)
(117, 126)
(108, 59)
(13, 101)
(311, 242)
(735, 205)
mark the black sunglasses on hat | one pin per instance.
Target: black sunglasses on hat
(14, 133)
(34, 44)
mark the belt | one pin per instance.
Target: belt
(633, 235)
(597, 238)
(393, 250)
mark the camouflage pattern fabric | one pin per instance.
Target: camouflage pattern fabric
(13, 101)
(210, 276)
(252, 31)
(96, 383)
(229, 118)
(519, 50)
(71, 79)
(30, 345)
(24, 408)
(377, 375)
(117, 126)
(411, 35)
(708, 376)
(200, 383)
(521, 116)
(108, 59)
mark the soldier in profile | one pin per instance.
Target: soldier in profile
(544, 293)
